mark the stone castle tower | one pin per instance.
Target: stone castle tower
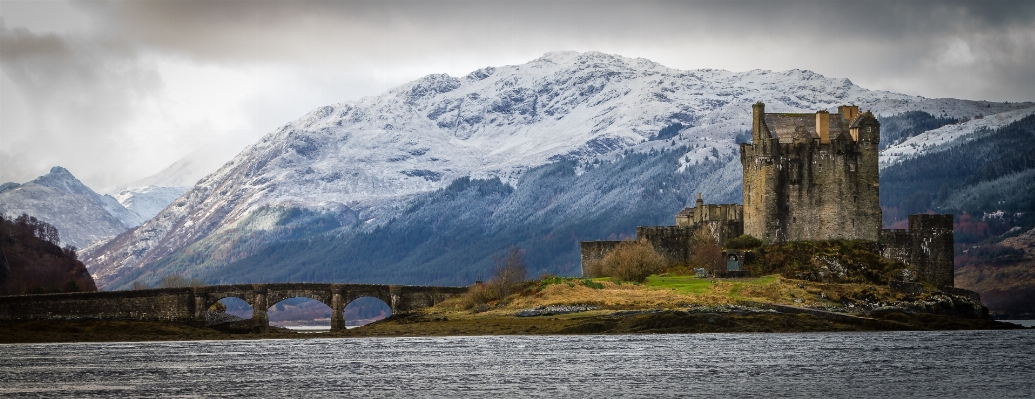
(812, 176)
(807, 177)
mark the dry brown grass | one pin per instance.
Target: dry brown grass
(624, 296)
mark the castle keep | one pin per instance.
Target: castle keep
(807, 176)
(812, 176)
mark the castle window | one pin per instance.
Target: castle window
(851, 167)
(868, 129)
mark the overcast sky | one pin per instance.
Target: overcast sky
(116, 91)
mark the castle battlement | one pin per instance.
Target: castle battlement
(709, 213)
(807, 176)
(812, 176)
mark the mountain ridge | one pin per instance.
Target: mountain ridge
(360, 161)
(59, 198)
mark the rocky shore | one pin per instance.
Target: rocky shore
(571, 306)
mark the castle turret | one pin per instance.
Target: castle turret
(849, 112)
(823, 126)
(756, 122)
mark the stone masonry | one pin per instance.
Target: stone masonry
(812, 176)
(190, 304)
(807, 177)
(927, 245)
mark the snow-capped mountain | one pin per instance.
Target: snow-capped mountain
(150, 195)
(947, 137)
(81, 215)
(363, 160)
(147, 201)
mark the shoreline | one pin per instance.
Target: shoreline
(593, 322)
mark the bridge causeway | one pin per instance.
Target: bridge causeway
(190, 304)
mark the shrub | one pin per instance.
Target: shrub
(744, 242)
(705, 251)
(508, 274)
(632, 261)
(594, 268)
(478, 294)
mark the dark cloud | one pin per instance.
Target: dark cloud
(83, 86)
(223, 29)
(74, 96)
(872, 42)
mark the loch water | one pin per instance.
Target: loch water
(960, 364)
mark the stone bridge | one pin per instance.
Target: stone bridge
(191, 304)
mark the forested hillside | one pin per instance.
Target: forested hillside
(32, 262)
(993, 174)
(450, 236)
(897, 128)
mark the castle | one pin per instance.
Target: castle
(812, 176)
(808, 177)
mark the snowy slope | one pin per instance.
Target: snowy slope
(946, 137)
(147, 201)
(81, 215)
(150, 195)
(368, 156)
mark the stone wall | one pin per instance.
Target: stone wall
(671, 242)
(927, 245)
(172, 304)
(801, 187)
(592, 251)
(191, 304)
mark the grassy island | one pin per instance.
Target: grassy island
(554, 305)
(804, 286)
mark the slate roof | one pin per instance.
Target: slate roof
(788, 127)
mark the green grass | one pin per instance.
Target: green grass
(684, 284)
(695, 285)
(739, 283)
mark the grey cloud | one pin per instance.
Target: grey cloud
(80, 88)
(871, 42)
(75, 96)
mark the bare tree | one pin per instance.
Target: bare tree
(705, 251)
(508, 272)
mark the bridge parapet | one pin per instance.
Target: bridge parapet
(190, 304)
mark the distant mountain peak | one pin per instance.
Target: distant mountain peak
(59, 198)
(61, 179)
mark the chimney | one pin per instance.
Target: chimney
(849, 112)
(756, 125)
(699, 212)
(823, 126)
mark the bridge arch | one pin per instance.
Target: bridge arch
(336, 296)
(274, 296)
(233, 310)
(300, 312)
(212, 297)
(365, 310)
